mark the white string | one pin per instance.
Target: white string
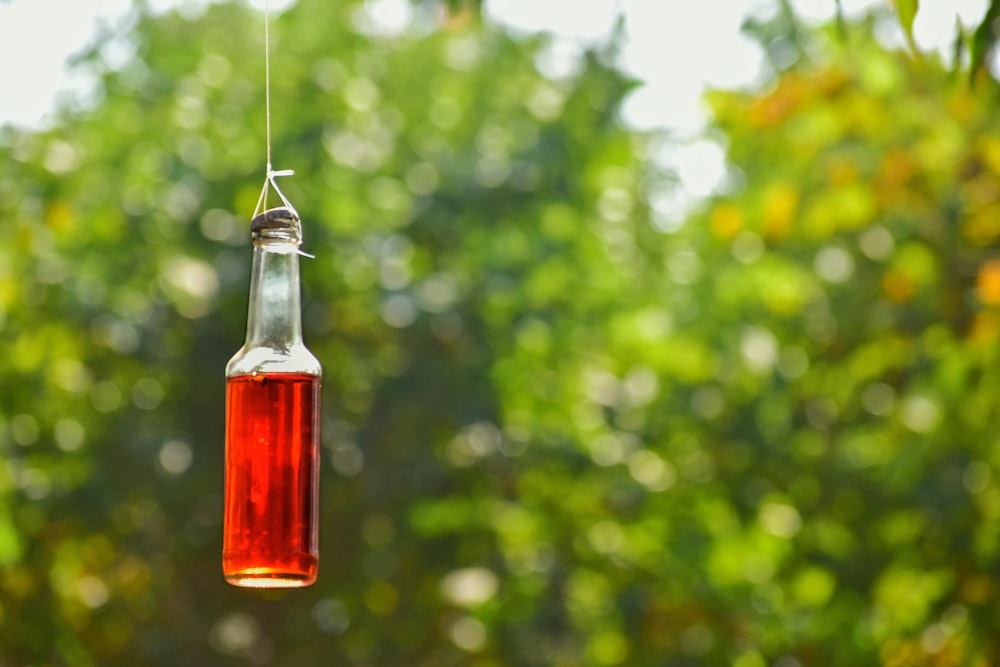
(267, 80)
(270, 173)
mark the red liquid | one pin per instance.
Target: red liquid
(271, 530)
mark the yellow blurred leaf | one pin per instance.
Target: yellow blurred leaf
(897, 286)
(988, 283)
(985, 328)
(726, 221)
(780, 204)
(60, 217)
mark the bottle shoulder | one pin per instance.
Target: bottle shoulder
(254, 358)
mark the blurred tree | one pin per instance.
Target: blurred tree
(555, 433)
(975, 50)
(428, 163)
(856, 259)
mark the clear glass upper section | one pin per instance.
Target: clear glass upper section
(274, 318)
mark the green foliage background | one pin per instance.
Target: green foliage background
(555, 433)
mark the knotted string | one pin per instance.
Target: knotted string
(270, 173)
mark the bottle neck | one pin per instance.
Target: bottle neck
(275, 312)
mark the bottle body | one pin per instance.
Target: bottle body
(271, 514)
(271, 534)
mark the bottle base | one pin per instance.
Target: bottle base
(267, 578)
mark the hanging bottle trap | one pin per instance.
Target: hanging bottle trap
(271, 514)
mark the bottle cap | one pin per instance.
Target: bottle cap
(280, 224)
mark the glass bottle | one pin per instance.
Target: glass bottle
(271, 522)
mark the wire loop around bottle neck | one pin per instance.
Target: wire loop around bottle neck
(269, 182)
